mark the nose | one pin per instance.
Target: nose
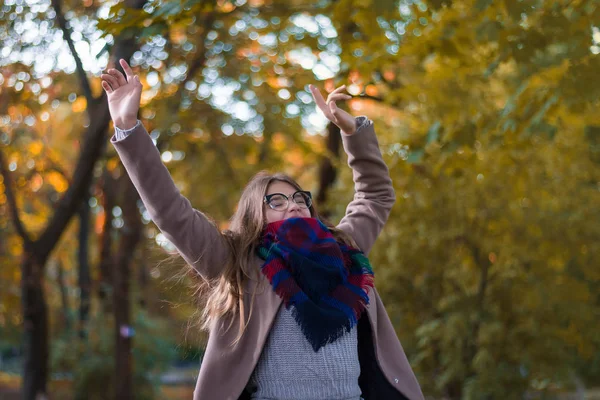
(293, 207)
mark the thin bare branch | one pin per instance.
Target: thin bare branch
(12, 202)
(93, 145)
(62, 23)
(369, 97)
(200, 58)
(196, 64)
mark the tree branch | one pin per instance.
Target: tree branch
(94, 143)
(200, 58)
(197, 63)
(12, 203)
(62, 23)
(369, 97)
(327, 171)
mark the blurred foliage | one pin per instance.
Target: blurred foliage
(92, 362)
(486, 113)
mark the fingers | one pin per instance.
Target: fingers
(339, 117)
(338, 96)
(339, 90)
(114, 79)
(316, 93)
(127, 69)
(342, 119)
(118, 75)
(136, 80)
(110, 80)
(334, 110)
(106, 87)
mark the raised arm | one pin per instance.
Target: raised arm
(374, 194)
(196, 238)
(373, 191)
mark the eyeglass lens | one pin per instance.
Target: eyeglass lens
(280, 202)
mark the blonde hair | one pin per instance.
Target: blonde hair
(223, 297)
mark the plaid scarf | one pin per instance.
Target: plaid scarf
(326, 281)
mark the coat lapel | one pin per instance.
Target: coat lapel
(372, 307)
(266, 302)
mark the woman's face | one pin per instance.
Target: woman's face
(293, 210)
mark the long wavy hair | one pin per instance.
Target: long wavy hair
(222, 298)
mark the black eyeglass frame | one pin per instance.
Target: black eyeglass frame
(267, 198)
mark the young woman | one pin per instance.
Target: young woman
(289, 302)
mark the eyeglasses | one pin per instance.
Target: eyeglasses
(281, 202)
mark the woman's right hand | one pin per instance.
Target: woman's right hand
(124, 93)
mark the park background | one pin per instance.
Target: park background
(487, 113)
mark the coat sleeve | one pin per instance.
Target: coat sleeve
(374, 194)
(196, 238)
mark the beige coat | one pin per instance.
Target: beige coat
(225, 370)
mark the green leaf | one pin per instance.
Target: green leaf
(168, 8)
(415, 156)
(481, 5)
(433, 132)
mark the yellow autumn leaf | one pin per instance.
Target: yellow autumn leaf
(112, 164)
(35, 148)
(58, 182)
(79, 105)
(278, 142)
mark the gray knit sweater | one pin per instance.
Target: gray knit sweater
(289, 368)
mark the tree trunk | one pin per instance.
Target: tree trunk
(130, 236)
(143, 280)
(84, 279)
(108, 203)
(327, 172)
(35, 329)
(35, 373)
(36, 252)
(64, 298)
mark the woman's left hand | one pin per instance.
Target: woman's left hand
(341, 118)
